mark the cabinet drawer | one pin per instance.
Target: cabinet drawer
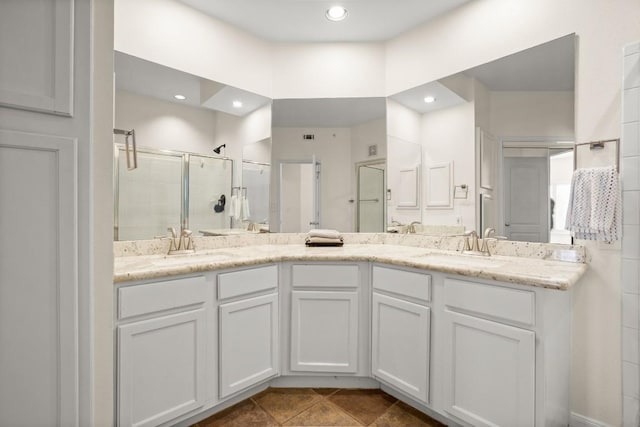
(400, 282)
(159, 296)
(246, 282)
(308, 275)
(513, 305)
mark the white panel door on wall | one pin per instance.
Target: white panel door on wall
(161, 368)
(324, 331)
(400, 344)
(526, 193)
(248, 343)
(489, 372)
(38, 292)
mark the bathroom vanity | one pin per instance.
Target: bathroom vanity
(468, 340)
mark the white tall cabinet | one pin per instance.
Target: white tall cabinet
(51, 367)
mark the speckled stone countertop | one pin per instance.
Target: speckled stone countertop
(549, 266)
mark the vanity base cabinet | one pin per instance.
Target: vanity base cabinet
(489, 370)
(161, 368)
(324, 331)
(248, 343)
(400, 345)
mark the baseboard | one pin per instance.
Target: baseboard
(578, 420)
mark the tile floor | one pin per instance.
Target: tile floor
(319, 407)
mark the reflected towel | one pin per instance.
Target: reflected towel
(595, 205)
(246, 214)
(327, 234)
(234, 208)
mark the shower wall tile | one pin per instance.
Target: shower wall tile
(631, 207)
(631, 173)
(631, 105)
(631, 139)
(632, 71)
(630, 276)
(631, 412)
(630, 380)
(630, 345)
(630, 318)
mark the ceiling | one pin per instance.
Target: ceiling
(305, 21)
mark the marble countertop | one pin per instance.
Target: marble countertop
(546, 273)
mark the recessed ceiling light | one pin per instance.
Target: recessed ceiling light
(336, 13)
(180, 97)
(429, 99)
(237, 104)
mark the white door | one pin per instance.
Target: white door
(400, 345)
(526, 193)
(248, 343)
(371, 198)
(161, 368)
(489, 372)
(324, 331)
(299, 197)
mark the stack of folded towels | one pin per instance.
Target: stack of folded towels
(320, 237)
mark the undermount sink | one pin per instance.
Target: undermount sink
(182, 259)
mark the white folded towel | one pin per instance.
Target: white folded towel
(595, 205)
(327, 234)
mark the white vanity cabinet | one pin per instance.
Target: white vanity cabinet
(400, 329)
(161, 360)
(505, 354)
(325, 301)
(248, 328)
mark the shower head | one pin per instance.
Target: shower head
(218, 148)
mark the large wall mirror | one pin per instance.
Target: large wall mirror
(505, 130)
(203, 153)
(447, 156)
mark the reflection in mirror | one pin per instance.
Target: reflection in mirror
(147, 200)
(339, 135)
(525, 98)
(209, 189)
(256, 179)
(182, 113)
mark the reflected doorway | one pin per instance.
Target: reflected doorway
(299, 196)
(536, 183)
(370, 203)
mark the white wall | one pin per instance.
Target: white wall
(328, 70)
(482, 31)
(449, 135)
(175, 35)
(332, 148)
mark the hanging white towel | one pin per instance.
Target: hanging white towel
(234, 208)
(246, 213)
(595, 205)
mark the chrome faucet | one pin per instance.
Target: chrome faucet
(412, 227)
(186, 241)
(471, 242)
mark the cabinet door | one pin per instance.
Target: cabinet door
(248, 343)
(161, 369)
(489, 372)
(324, 331)
(400, 345)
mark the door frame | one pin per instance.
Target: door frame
(547, 142)
(357, 165)
(317, 187)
